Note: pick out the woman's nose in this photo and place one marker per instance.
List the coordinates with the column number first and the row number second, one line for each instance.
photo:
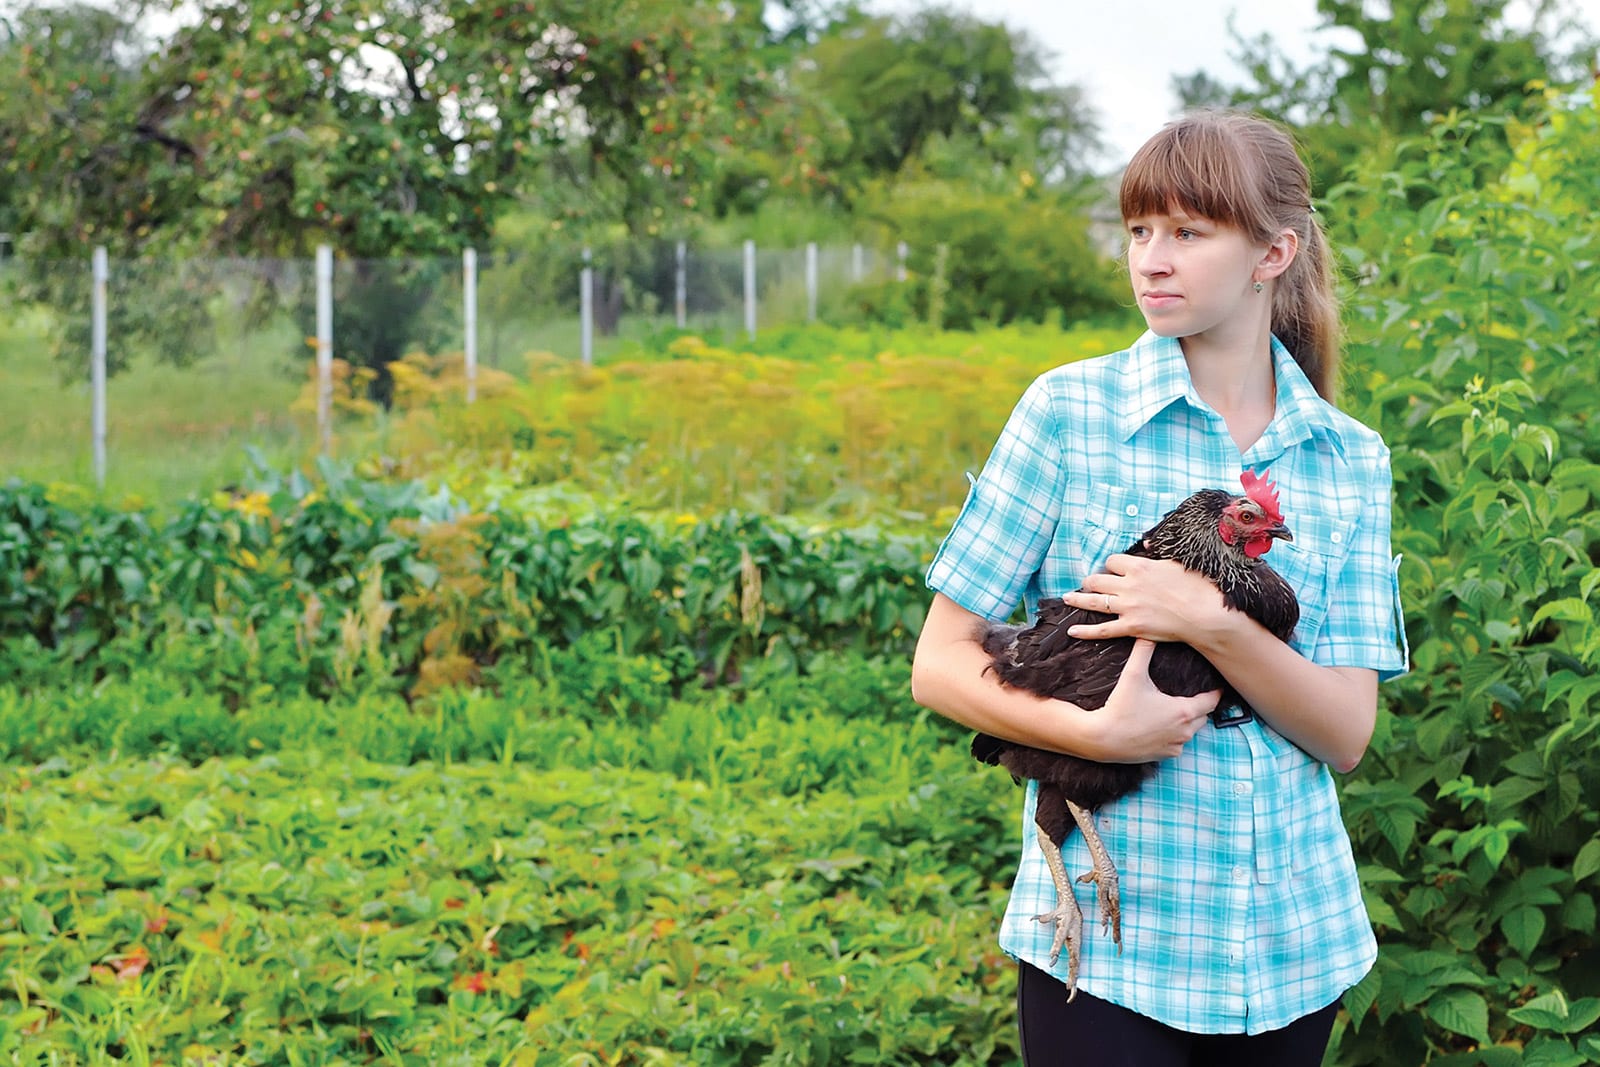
column 1153, row 259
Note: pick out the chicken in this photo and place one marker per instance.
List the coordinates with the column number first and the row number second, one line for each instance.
column 1217, row 533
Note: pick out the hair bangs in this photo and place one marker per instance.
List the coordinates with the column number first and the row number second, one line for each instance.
column 1200, row 167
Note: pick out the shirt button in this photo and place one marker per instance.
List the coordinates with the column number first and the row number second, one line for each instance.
column 1240, row 875
column 1133, row 509
column 1337, row 537
column 1241, row 788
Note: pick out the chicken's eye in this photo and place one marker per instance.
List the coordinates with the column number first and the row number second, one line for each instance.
column 1247, row 517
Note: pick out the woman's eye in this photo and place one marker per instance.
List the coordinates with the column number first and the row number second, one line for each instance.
column 1187, row 234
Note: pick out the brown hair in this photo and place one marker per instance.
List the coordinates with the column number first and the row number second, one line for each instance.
column 1242, row 170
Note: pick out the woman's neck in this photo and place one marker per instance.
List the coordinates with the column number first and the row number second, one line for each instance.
column 1236, row 377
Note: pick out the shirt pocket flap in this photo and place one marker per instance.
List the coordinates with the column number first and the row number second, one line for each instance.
column 1117, row 516
column 1311, row 564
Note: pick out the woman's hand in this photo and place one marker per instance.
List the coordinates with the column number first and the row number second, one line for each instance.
column 1139, row 723
column 1158, row 599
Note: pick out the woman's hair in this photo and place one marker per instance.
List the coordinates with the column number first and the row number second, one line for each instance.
column 1241, row 170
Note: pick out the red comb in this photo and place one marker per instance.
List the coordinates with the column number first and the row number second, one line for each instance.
column 1262, row 492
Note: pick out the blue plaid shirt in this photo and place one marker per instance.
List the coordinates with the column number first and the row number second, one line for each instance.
column 1241, row 907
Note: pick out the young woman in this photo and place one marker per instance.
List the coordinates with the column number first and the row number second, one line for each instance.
column 1242, row 917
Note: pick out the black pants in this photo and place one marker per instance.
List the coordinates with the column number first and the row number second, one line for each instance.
column 1096, row 1033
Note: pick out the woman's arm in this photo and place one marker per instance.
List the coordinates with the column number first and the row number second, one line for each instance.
column 1138, row 723
column 1328, row 711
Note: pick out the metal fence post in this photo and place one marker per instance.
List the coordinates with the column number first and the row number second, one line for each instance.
column 97, row 365
column 811, row 281
column 325, row 347
column 750, row 288
column 586, row 303
column 857, row 263
column 681, row 285
column 469, row 300
column 900, row 270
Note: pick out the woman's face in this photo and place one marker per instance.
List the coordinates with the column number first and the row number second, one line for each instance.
column 1191, row 275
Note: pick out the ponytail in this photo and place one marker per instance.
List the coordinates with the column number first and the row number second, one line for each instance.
column 1305, row 310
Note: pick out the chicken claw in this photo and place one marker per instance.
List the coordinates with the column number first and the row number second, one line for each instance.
column 1066, row 915
column 1108, row 887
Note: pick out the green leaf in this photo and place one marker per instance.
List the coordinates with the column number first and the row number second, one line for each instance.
column 1460, row 1011
column 1523, row 928
column 1497, row 843
column 1552, row 1052
column 1567, row 609
column 1546, row 1012
column 1587, row 861
column 1358, row 998
column 1578, row 914
column 36, row 920
column 1583, row 1014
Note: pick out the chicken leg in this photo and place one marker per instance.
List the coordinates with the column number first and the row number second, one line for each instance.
column 1108, row 887
column 1066, row 915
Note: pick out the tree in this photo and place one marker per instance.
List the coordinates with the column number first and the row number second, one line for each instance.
column 894, row 91
column 1408, row 63
column 266, row 127
column 80, row 163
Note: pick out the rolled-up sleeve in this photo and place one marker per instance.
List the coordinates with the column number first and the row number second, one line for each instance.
column 1006, row 525
column 1365, row 622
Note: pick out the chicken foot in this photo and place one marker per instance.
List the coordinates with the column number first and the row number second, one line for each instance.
column 1066, row 915
column 1108, row 887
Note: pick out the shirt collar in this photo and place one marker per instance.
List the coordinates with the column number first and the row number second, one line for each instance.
column 1157, row 375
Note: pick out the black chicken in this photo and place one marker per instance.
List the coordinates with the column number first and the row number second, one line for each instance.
column 1217, row 533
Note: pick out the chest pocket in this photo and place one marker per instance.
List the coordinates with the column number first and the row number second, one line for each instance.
column 1116, row 517
column 1311, row 564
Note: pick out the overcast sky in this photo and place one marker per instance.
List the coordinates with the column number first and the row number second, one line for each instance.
column 1124, row 52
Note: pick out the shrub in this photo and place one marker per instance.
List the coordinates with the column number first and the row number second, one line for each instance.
column 1474, row 815
column 1013, row 256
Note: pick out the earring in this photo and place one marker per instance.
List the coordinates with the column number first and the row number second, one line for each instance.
column 1260, row 286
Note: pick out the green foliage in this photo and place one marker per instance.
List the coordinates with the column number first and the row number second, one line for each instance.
column 760, row 898
column 264, row 128
column 851, row 423
column 1017, row 254
column 892, row 91
column 1474, row 816
column 1390, row 70
column 385, row 586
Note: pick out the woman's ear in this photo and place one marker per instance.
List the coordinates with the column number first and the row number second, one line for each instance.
column 1280, row 253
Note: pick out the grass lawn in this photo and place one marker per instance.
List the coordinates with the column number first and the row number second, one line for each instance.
column 170, row 430
column 174, row 431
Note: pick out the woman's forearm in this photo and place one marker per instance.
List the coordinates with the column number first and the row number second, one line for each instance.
column 949, row 676
column 1328, row 711
column 1137, row 724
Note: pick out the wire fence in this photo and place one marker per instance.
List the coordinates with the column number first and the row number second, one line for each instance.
column 104, row 361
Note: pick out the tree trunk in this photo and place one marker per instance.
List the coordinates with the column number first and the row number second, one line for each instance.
column 608, row 306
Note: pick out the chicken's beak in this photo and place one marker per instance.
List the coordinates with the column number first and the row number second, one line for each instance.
column 1280, row 531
